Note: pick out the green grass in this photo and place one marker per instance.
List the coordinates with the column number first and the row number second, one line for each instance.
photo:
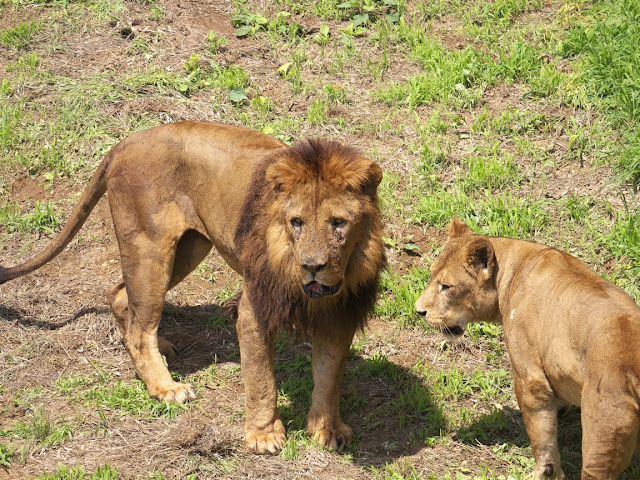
column 105, row 472
column 132, row 398
column 129, row 397
column 400, row 295
column 6, row 454
column 43, row 218
column 40, row 430
column 605, row 44
column 20, row 36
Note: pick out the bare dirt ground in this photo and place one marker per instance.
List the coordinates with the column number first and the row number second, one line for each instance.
column 56, row 323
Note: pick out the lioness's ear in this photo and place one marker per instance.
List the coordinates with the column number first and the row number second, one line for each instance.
column 458, row 228
column 481, row 258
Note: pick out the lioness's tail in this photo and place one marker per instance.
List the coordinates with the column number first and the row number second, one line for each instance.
column 92, row 193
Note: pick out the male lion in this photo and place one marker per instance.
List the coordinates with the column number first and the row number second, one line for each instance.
column 572, row 337
column 301, row 224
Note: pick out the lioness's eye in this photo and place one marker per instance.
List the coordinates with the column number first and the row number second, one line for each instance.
column 296, row 222
column 338, row 222
column 444, row 286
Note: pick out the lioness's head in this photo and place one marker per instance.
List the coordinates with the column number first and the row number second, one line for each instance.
column 462, row 287
column 325, row 232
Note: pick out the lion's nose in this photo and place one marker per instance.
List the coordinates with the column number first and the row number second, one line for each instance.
column 312, row 266
column 421, row 311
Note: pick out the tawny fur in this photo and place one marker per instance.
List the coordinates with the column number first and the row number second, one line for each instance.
column 301, row 224
column 572, row 338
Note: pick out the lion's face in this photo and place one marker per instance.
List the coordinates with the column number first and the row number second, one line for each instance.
column 462, row 287
column 324, row 224
column 322, row 238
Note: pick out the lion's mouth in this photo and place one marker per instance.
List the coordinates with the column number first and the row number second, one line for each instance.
column 318, row 290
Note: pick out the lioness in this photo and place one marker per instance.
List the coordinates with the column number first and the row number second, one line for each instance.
column 572, row 337
column 301, row 224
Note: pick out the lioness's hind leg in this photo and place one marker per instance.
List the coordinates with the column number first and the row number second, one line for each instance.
column 610, row 429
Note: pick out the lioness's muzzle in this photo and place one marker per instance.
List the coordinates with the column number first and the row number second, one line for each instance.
column 456, row 331
column 318, row 290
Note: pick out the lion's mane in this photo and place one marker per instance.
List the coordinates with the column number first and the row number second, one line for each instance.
column 277, row 299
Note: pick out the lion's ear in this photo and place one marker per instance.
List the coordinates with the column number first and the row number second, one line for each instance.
column 356, row 174
column 281, row 173
column 458, row 228
column 373, row 179
column 481, row 258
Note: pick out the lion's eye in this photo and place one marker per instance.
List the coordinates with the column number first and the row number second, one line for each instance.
column 296, row 222
column 444, row 286
column 338, row 222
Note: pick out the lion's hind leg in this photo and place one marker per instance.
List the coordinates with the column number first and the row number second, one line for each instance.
column 190, row 251
column 119, row 302
column 137, row 307
column 147, row 266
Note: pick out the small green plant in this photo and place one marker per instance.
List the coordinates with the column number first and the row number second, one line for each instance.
column 43, row 219
column 399, row 296
column 20, row 36
column 546, row 82
column 292, row 71
column 41, row 430
column 318, row 112
column 519, row 61
column 157, row 12
column 6, row 454
column 215, row 43
column 508, row 216
column 494, row 173
column 248, row 24
column 323, row 36
column 25, row 64
column 63, row 472
column 363, row 13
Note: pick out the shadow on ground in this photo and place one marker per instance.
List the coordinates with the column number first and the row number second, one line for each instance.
column 389, row 409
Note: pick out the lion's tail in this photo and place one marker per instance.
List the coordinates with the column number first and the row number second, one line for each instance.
column 92, row 193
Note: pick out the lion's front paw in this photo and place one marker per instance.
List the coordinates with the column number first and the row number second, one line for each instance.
column 176, row 392
column 334, row 438
column 266, row 442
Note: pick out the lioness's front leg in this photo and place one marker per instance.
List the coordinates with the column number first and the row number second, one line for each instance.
column 539, row 408
column 329, row 358
column 264, row 431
